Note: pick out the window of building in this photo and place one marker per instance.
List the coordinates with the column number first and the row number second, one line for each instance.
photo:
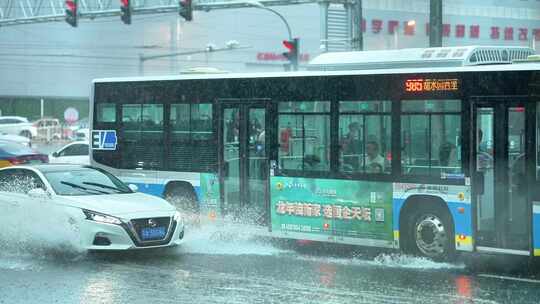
column 106, row 112
column 365, row 136
column 431, row 137
column 304, row 135
column 192, row 138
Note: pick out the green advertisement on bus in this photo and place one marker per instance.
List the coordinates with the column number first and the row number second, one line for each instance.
column 209, row 195
column 335, row 208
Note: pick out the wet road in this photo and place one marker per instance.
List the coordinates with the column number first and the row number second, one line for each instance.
column 232, row 267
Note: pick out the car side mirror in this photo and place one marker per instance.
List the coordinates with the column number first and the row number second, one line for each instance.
column 55, row 154
column 133, row 187
column 38, row 193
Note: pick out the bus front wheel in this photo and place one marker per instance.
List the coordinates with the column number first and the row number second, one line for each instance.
column 429, row 234
column 182, row 197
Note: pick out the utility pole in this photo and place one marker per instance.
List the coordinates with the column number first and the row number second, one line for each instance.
column 435, row 23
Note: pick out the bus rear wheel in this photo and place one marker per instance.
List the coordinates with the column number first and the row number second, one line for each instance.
column 429, row 234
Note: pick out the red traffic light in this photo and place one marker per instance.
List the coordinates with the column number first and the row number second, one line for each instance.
column 71, row 5
column 124, row 3
column 290, row 45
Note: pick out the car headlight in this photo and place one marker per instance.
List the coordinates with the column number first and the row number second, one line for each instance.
column 101, row 218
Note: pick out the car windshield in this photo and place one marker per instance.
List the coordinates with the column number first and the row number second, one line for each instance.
column 14, row 148
column 85, row 181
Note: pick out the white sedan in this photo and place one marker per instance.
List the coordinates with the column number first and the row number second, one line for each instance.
column 73, row 153
column 107, row 214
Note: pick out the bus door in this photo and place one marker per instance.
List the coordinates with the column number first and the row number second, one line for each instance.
column 500, row 176
column 244, row 160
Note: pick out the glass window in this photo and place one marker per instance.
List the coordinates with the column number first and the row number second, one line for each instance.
column 192, row 138
column 538, row 140
column 365, row 106
column 20, row 181
column 431, row 106
column 431, row 142
column 304, row 139
column 305, row 106
column 106, row 112
column 85, row 181
column 191, row 121
column 75, row 150
column 142, row 140
column 365, row 138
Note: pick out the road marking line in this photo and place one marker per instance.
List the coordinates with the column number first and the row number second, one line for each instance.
column 509, row 278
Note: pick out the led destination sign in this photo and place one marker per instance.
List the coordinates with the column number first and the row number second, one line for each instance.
column 431, row 85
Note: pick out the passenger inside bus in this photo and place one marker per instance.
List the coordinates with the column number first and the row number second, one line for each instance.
column 351, row 146
column 373, row 158
column 447, row 158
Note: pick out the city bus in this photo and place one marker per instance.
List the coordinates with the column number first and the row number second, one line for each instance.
column 435, row 153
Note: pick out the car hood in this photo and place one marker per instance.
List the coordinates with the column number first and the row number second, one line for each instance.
column 120, row 204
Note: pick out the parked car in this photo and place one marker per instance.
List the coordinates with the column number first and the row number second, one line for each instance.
column 13, row 153
column 73, row 153
column 82, row 134
column 48, row 128
column 105, row 213
column 17, row 125
column 23, row 140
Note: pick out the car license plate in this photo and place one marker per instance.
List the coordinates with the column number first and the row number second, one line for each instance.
column 152, row 233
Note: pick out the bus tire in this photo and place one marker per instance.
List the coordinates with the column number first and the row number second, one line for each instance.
column 429, row 233
column 182, row 196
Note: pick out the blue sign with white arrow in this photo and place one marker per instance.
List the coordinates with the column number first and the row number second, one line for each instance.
column 104, row 140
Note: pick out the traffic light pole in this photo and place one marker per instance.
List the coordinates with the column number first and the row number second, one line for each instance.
column 435, row 23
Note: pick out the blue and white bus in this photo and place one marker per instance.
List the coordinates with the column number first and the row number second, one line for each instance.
column 431, row 151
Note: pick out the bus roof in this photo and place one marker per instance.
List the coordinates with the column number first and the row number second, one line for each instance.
column 420, row 58
column 532, row 66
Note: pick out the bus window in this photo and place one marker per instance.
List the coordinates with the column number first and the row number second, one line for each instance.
column 364, row 132
column 142, row 136
column 304, row 135
column 106, row 112
column 538, row 141
column 431, row 137
column 191, row 135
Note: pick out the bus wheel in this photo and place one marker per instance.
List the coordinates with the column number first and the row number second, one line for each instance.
column 430, row 234
column 182, row 197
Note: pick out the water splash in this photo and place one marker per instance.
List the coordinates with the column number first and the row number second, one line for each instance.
column 35, row 230
column 228, row 239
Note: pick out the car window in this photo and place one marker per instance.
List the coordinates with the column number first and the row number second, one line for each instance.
column 20, row 181
column 75, row 150
column 85, row 181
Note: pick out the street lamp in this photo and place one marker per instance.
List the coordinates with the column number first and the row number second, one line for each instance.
column 257, row 4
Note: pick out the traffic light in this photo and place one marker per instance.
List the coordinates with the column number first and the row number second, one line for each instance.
column 186, row 10
column 292, row 54
column 125, row 11
column 71, row 12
